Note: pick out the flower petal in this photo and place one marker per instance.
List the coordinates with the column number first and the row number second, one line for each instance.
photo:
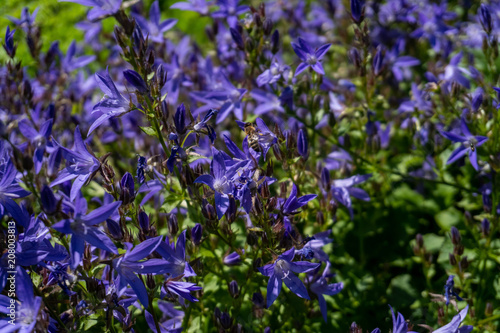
column 273, row 289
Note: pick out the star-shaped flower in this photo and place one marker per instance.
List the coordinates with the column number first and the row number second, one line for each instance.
column 281, row 271
column 309, row 57
column 469, row 143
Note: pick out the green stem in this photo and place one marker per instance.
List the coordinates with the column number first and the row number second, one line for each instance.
column 184, row 141
column 153, row 312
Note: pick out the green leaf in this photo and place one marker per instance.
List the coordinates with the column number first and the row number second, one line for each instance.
column 194, row 157
column 171, row 202
column 433, row 243
column 448, row 218
column 149, row 131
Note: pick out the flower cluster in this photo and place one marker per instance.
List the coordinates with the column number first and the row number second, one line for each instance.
column 177, row 167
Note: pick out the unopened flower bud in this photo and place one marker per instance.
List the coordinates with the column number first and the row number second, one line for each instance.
column 378, row 61
column 234, row 289
column 217, row 312
column 114, row 229
column 127, row 193
column 488, row 311
column 459, row 249
column 268, row 26
column 225, row 320
column 136, row 80
column 249, row 44
column 143, row 221
column 257, row 19
column 420, row 240
column 464, row 263
column 455, row 236
column 325, row 179
column 320, row 217
column 275, row 42
column 208, row 211
column 258, row 300
column 277, row 153
column 237, row 38
column 302, row 144
column 453, row 260
column 232, row 210
column 173, row 224
column 485, row 18
column 357, row 11
column 252, row 238
column 49, row 201
column 196, row 234
column 150, row 281
column 161, row 76
column 485, row 227
column 355, row 57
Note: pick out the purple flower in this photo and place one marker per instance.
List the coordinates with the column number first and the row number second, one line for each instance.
column 171, row 319
column 321, row 287
column 27, row 20
column 26, row 307
column 342, row 190
column 81, row 166
column 313, row 247
column 420, row 101
column 273, row 74
column 101, row 8
column 112, row 105
column 82, row 228
column 37, row 138
column 232, row 259
column 309, row 57
column 200, row 6
column 127, row 265
column 203, row 124
column 181, row 289
column 399, row 325
column 220, row 180
column 230, row 9
column 10, row 190
column 281, row 271
column 453, row 325
column 266, row 137
column 70, row 63
column 227, row 99
column 477, row 99
column 266, row 102
column 469, row 144
column 455, row 73
column 292, row 203
column 9, row 42
column 176, row 257
column 154, row 29
column 449, row 289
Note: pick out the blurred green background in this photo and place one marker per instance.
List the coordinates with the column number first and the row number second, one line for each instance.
column 58, row 19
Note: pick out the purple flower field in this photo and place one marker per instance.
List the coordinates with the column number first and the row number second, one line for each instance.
column 245, row 166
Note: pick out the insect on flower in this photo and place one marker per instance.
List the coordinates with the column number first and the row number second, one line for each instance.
column 253, row 136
